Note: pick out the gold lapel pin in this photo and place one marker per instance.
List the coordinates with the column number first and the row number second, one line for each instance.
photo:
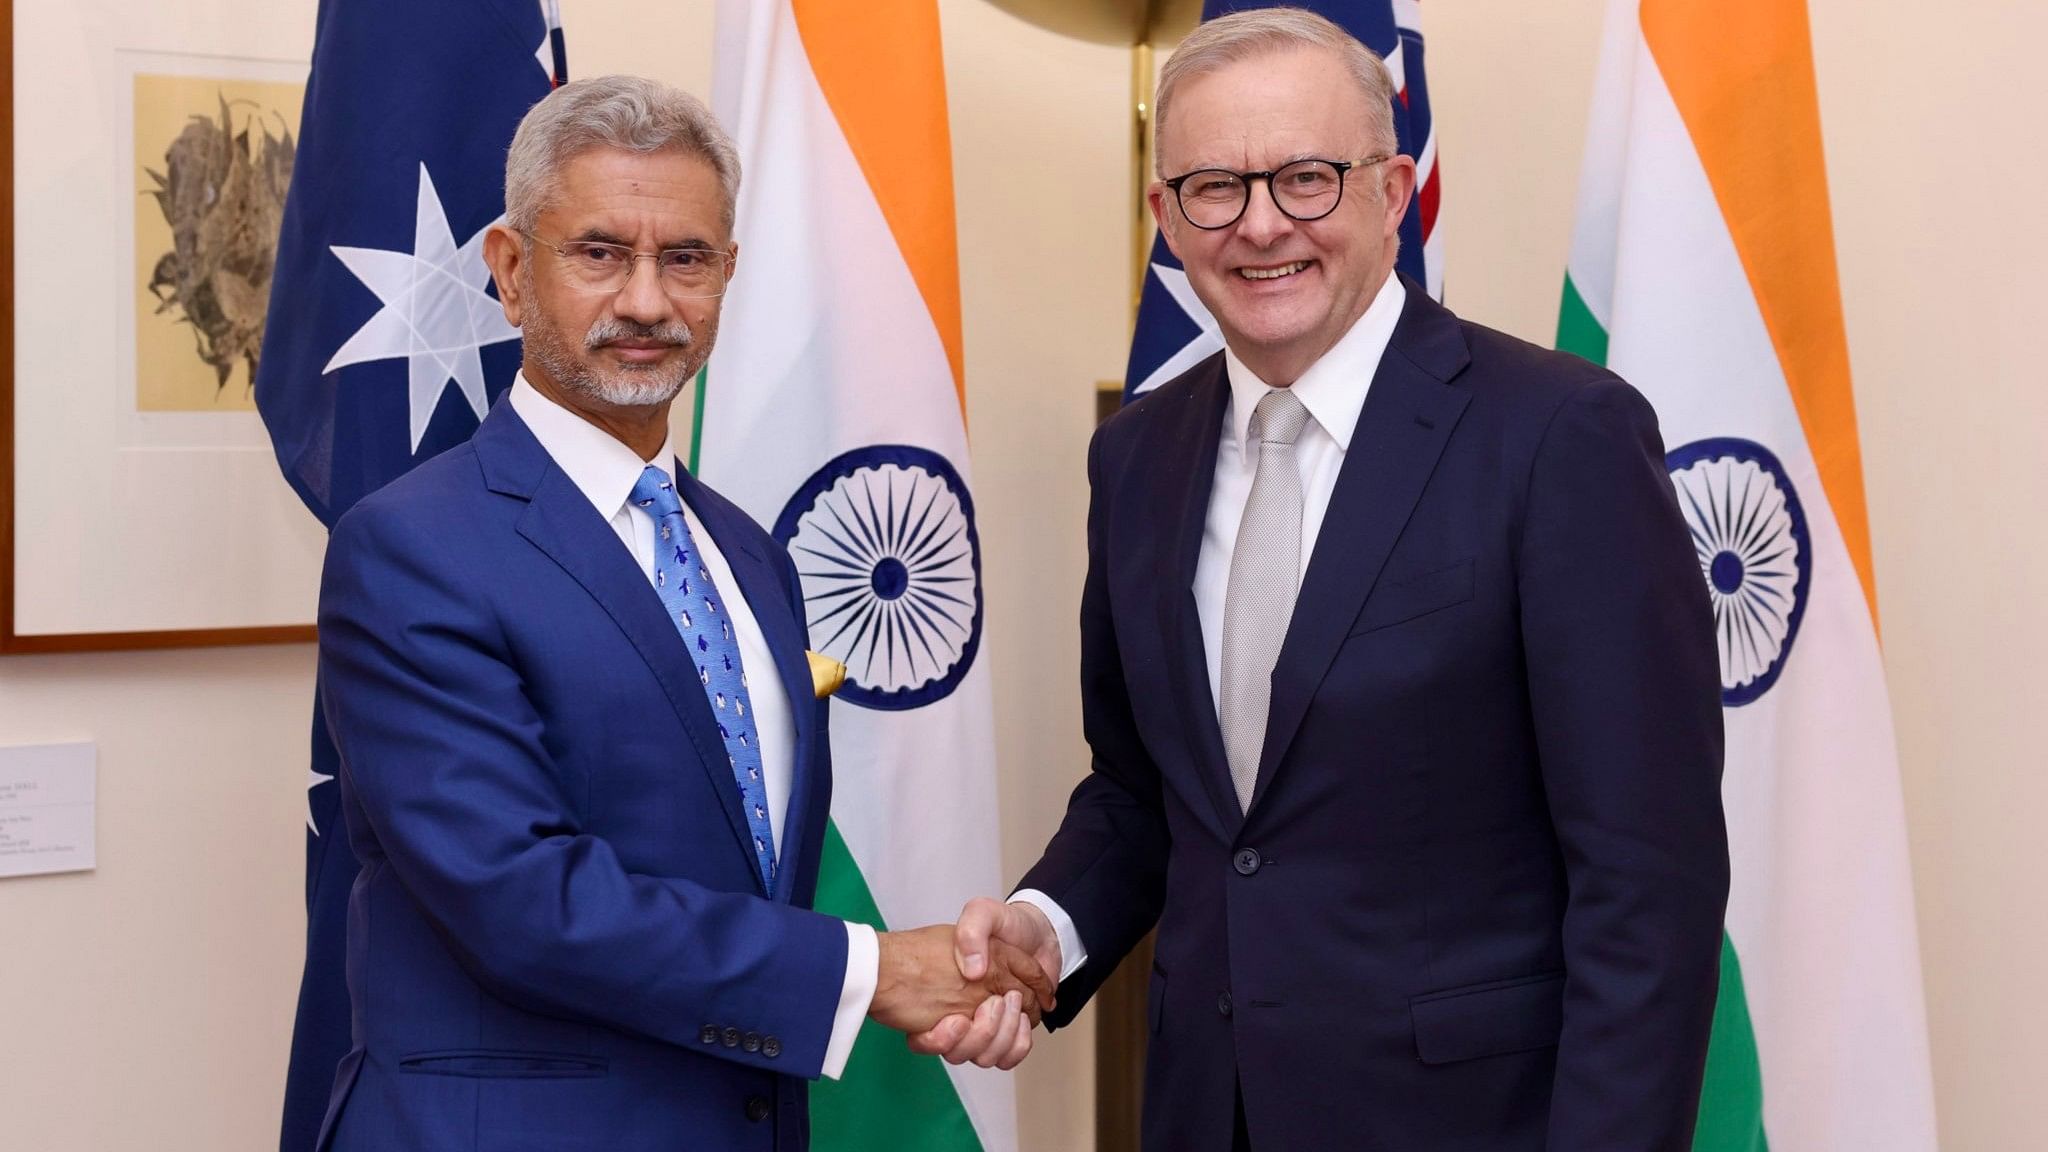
column 827, row 674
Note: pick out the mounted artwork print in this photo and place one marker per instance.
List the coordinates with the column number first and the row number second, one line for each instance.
column 152, row 144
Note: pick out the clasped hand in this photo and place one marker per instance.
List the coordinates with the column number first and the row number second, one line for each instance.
column 972, row 991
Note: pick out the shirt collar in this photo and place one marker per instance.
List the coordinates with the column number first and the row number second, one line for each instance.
column 602, row 467
column 1334, row 387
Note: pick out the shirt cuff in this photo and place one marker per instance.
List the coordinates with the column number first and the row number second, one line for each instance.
column 1072, row 953
column 863, row 968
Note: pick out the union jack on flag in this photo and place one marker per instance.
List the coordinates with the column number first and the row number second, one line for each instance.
column 1175, row 332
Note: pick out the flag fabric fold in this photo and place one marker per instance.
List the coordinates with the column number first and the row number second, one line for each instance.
column 833, row 412
column 1702, row 270
column 384, row 344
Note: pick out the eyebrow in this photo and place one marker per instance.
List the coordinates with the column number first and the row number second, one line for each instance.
column 1295, row 158
column 600, row 236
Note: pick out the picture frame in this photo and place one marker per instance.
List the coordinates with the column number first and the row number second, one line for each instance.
column 132, row 518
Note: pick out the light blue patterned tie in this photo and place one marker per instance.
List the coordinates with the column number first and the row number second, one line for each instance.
column 684, row 583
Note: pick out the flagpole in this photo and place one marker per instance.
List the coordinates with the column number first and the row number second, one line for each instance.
column 1141, row 162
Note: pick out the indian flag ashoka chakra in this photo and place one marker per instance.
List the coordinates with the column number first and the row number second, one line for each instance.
column 885, row 545
column 1749, row 533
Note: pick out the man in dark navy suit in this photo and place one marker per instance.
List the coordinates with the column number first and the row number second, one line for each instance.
column 583, row 764
column 1400, row 679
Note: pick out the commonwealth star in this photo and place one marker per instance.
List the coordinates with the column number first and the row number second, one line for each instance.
column 436, row 314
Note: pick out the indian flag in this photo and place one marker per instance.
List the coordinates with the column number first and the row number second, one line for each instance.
column 1703, row 271
column 833, row 412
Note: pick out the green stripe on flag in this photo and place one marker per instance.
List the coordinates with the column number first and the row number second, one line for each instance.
column 697, row 418
column 1732, row 1097
column 890, row 1099
column 1577, row 331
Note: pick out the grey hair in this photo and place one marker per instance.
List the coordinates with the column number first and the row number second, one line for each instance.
column 624, row 112
column 1240, row 36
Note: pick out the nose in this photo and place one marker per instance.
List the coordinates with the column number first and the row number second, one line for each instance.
column 641, row 298
column 1263, row 222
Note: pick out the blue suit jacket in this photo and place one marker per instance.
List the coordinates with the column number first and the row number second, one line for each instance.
column 1476, row 901
column 559, row 937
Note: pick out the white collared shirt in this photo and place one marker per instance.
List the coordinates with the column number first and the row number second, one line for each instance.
column 605, row 471
column 1333, row 390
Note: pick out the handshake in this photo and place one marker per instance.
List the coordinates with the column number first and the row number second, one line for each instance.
column 971, row 991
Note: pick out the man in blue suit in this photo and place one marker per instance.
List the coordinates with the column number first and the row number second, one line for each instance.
column 583, row 764
column 1400, row 678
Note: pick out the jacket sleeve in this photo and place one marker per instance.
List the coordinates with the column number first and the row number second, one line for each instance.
column 1106, row 866
column 1624, row 686
column 443, row 762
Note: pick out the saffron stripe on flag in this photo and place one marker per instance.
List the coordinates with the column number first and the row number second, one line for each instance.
column 1715, row 58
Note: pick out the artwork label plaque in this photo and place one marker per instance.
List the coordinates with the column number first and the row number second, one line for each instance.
column 46, row 809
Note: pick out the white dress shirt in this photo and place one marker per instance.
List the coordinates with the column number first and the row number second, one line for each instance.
column 1333, row 390
column 605, row 470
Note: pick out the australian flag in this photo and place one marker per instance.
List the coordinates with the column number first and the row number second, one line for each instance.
column 1175, row 332
column 384, row 344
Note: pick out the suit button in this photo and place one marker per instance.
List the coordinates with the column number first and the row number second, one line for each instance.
column 1246, row 861
column 730, row 1037
column 771, row 1047
column 708, row 1034
column 751, row 1042
column 1223, row 1003
column 757, row 1108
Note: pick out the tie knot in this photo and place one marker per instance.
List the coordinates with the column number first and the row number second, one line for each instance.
column 1279, row 418
column 656, row 493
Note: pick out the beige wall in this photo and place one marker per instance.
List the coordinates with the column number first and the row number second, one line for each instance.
column 147, row 1004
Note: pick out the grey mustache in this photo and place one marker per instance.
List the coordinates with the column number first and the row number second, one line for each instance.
column 605, row 331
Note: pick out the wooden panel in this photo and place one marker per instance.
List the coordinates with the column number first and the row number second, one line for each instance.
column 1120, row 1028
column 1120, row 1036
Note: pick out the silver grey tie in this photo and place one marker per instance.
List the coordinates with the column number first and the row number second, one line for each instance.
column 1265, row 573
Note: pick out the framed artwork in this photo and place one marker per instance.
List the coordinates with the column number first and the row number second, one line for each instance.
column 149, row 145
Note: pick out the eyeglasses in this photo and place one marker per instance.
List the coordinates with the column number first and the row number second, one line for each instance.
column 684, row 273
column 1213, row 198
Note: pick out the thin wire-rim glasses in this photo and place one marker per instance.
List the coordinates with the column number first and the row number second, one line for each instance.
column 600, row 266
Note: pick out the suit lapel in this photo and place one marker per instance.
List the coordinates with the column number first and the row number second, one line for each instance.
column 561, row 523
column 761, row 587
column 1184, row 497
column 1409, row 414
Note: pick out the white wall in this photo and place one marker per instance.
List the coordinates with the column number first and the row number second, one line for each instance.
column 148, row 1004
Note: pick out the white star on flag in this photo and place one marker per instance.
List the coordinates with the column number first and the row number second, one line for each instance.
column 436, row 314
column 1205, row 344
column 313, row 780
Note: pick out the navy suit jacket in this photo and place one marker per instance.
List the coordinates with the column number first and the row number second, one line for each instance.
column 1476, row 901
column 559, row 937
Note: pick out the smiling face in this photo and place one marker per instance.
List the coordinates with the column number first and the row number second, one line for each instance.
column 630, row 349
column 1282, row 290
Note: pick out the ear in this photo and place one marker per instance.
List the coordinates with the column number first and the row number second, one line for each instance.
column 1397, row 187
column 505, row 254
column 1164, row 215
column 732, row 250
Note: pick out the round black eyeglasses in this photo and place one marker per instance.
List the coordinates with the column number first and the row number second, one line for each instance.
column 1212, row 198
